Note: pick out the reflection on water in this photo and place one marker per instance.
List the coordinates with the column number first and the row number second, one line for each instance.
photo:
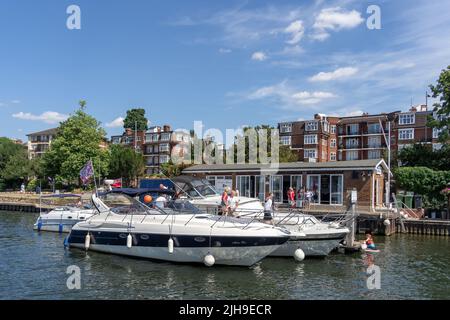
column 34, row 266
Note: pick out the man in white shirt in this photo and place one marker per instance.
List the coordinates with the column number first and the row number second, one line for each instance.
column 233, row 202
column 268, row 208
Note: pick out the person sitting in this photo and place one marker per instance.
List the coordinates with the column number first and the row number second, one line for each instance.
column 369, row 240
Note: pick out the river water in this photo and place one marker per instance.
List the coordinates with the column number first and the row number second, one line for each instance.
column 33, row 266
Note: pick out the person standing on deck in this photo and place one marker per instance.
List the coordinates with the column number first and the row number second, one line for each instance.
column 268, row 209
column 224, row 201
column 233, row 203
column 291, row 197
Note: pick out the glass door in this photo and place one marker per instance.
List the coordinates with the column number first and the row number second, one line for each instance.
column 243, row 186
column 276, row 185
column 313, row 186
column 260, row 187
column 337, row 189
column 297, row 184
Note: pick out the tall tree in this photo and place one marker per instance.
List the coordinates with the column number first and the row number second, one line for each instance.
column 78, row 140
column 126, row 163
column 441, row 91
column 136, row 118
column 15, row 167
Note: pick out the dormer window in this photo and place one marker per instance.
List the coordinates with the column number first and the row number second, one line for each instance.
column 407, row 118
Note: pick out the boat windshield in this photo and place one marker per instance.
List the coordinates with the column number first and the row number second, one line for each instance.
column 123, row 204
column 198, row 188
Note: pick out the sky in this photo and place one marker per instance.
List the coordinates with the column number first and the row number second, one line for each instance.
column 225, row 63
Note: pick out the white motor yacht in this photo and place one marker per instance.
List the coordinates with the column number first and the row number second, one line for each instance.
column 62, row 218
column 314, row 237
column 177, row 233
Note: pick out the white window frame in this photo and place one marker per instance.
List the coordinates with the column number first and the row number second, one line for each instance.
column 285, row 127
column 312, row 126
column 406, row 134
column 286, row 140
column 333, row 143
column 353, row 152
column 333, row 128
column 310, row 139
column 307, row 153
column 332, row 156
column 406, row 118
column 164, row 147
column 378, row 152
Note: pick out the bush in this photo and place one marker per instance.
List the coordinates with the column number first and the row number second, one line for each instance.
column 426, row 182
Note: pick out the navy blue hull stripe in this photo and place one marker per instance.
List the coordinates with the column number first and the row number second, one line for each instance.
column 160, row 240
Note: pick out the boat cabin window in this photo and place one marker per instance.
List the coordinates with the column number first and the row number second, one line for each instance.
column 197, row 188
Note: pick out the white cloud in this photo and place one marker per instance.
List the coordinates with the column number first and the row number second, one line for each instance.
column 116, row 123
column 296, row 30
column 334, row 19
column 2, row 104
column 259, row 56
column 224, row 50
column 334, row 75
column 289, row 96
column 15, row 101
column 47, row 117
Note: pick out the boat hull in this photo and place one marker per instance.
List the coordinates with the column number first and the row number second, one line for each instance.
column 233, row 251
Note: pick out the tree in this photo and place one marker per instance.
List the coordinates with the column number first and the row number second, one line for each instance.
column 136, row 117
column 424, row 181
column 126, row 163
column 78, row 140
column 422, row 155
column 14, row 164
column 285, row 153
column 442, row 108
column 170, row 169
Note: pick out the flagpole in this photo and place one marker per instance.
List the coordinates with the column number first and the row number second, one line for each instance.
column 93, row 173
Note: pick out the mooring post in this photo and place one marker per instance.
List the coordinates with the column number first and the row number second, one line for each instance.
column 350, row 240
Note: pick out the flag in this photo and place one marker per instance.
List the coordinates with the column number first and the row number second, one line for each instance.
column 87, row 172
column 117, row 183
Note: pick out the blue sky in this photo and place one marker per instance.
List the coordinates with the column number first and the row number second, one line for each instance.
column 226, row 63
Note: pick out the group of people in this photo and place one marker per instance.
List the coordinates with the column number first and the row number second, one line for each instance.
column 229, row 201
column 305, row 196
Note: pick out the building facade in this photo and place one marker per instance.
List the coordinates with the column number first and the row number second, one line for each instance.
column 314, row 140
column 39, row 142
column 157, row 145
column 357, row 137
column 330, row 182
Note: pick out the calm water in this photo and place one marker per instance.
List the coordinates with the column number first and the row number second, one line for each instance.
column 33, row 266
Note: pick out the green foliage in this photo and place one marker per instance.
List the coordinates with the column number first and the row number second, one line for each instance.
column 285, row 153
column 425, row 181
column 170, row 169
column 422, row 155
column 125, row 163
column 442, row 108
column 78, row 140
column 136, row 117
column 15, row 167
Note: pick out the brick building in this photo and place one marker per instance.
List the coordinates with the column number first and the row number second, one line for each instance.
column 357, row 137
column 314, row 140
column 156, row 144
